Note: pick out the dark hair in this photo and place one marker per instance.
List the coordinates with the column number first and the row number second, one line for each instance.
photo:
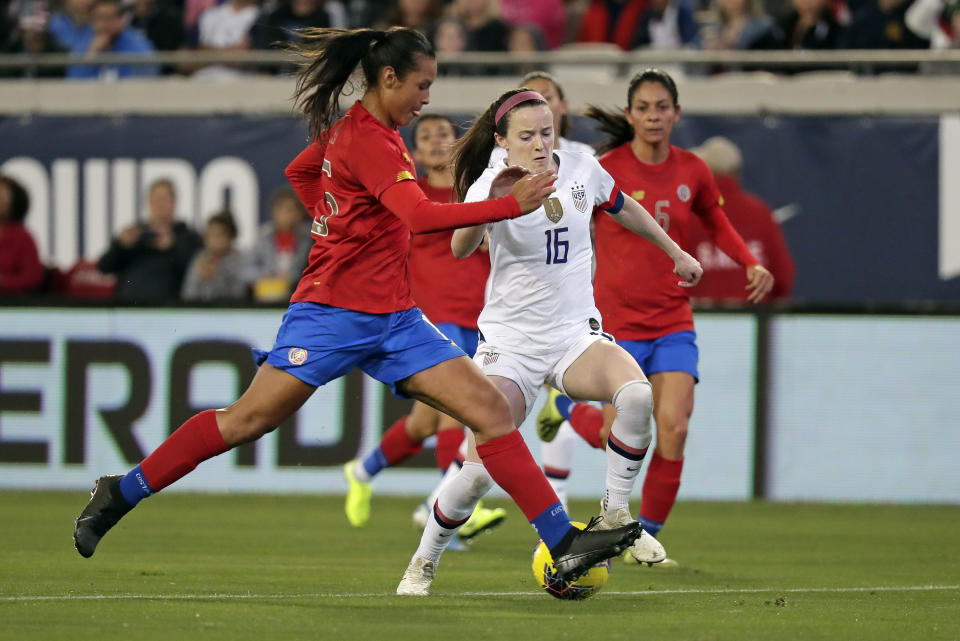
column 332, row 55
column 224, row 217
column 552, row 79
column 162, row 182
column 19, row 199
column 472, row 152
column 427, row 117
column 614, row 123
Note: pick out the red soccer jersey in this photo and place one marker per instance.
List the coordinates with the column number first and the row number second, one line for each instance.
column 447, row 289
column 723, row 279
column 359, row 257
column 635, row 287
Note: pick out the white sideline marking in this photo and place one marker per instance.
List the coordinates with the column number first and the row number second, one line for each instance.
column 325, row 595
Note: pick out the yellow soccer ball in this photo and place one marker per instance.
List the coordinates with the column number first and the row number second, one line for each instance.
column 583, row 588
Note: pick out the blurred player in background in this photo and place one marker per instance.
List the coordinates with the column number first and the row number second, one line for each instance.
column 751, row 217
column 21, row 271
column 353, row 306
column 651, row 317
column 450, row 293
column 539, row 323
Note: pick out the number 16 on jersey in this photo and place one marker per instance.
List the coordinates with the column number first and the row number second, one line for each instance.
column 557, row 247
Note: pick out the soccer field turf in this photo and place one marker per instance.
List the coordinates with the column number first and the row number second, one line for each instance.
column 265, row 567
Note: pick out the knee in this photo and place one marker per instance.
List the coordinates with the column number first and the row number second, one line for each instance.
column 497, row 416
column 634, row 404
column 672, row 430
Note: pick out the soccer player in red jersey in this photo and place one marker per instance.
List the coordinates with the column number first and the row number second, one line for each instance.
column 651, row 317
column 450, row 292
column 352, row 307
column 753, row 220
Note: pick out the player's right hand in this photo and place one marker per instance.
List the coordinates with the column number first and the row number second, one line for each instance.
column 688, row 268
column 530, row 191
column 504, row 181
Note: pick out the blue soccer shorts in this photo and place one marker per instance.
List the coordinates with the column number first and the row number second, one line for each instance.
column 319, row 343
column 466, row 339
column 676, row 352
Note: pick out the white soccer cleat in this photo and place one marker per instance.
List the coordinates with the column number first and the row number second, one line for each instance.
column 646, row 549
column 417, row 578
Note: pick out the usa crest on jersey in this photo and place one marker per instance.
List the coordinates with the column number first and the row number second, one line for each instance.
column 579, row 197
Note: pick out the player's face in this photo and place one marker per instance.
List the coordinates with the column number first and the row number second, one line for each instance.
column 434, row 143
column 405, row 98
column 529, row 140
column 652, row 113
column 549, row 92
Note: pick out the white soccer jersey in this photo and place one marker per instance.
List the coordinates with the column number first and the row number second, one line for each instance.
column 499, row 154
column 540, row 294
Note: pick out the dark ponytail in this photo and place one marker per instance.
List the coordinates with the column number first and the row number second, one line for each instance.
column 332, row 55
column 471, row 154
column 614, row 123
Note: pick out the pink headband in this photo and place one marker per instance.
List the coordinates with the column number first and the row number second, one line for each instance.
column 513, row 101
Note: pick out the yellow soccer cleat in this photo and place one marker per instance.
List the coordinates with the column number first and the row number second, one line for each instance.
column 482, row 520
column 549, row 418
column 357, row 505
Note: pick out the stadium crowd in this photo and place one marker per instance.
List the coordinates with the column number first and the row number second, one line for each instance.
column 84, row 28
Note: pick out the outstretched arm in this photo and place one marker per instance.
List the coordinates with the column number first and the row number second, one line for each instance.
column 637, row 219
column 724, row 236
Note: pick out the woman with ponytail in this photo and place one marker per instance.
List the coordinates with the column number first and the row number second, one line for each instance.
column 352, row 307
column 651, row 317
column 539, row 324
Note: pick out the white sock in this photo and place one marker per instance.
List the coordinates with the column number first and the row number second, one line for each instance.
column 630, row 436
column 448, row 476
column 455, row 504
column 557, row 459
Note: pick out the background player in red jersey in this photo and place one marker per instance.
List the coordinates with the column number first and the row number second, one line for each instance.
column 650, row 316
column 352, row 307
column 753, row 220
column 450, row 292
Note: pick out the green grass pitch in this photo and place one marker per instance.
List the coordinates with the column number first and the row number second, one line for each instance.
column 264, row 567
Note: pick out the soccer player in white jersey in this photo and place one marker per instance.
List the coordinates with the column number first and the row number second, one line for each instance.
column 540, row 324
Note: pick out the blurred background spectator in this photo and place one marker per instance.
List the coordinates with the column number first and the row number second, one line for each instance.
column 218, row 272
column 421, row 15
column 526, row 38
column 937, row 21
column 110, row 34
column 486, row 30
column 450, row 37
column 614, row 21
column 667, row 24
column 150, row 258
column 277, row 29
column 72, row 24
column 550, row 16
column 737, row 24
column 160, row 20
column 25, row 30
column 225, row 27
column 21, row 271
column 723, row 279
column 807, row 24
column 282, row 248
column 880, row 24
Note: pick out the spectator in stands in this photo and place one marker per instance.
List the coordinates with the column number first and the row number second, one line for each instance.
column 150, row 258
column 21, row 271
column 73, row 24
column 218, row 272
column 485, row 29
column 614, row 21
column 808, row 24
column 282, row 248
column 549, row 16
column 421, row 15
column 740, row 23
column 937, row 21
column 723, row 279
column 30, row 35
column 667, row 24
column 111, row 35
column 225, row 27
column 279, row 28
column 880, row 24
column 160, row 20
column 450, row 37
column 526, row 38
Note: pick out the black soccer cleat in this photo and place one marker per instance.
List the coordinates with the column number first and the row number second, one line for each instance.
column 105, row 508
column 579, row 550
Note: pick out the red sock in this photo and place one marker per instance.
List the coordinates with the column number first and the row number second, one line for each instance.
column 194, row 442
column 660, row 488
column 396, row 444
column 509, row 462
column 448, row 444
column 587, row 421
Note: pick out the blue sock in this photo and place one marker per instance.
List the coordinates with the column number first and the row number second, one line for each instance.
column 134, row 486
column 375, row 462
column 650, row 527
column 563, row 405
column 552, row 524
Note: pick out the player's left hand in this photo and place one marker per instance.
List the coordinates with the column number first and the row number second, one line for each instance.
column 688, row 268
column 759, row 283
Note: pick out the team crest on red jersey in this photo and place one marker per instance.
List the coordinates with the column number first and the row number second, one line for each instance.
column 683, row 193
column 579, row 197
column 297, row 356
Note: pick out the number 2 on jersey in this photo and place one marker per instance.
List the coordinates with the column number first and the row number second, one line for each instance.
column 319, row 227
column 560, row 247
